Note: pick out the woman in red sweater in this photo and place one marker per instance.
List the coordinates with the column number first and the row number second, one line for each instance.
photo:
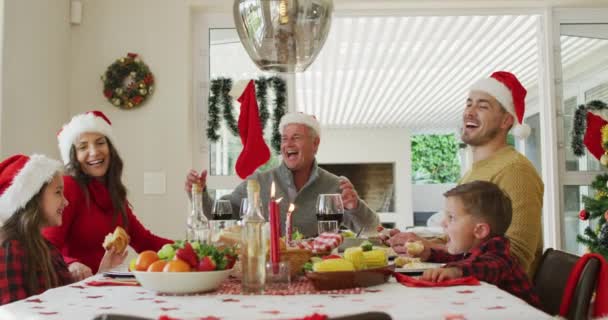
column 97, row 196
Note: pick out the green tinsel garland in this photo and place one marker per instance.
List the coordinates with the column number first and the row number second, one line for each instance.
column 261, row 86
column 219, row 90
column 579, row 125
column 280, row 102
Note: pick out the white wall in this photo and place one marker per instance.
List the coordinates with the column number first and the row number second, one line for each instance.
column 374, row 145
column 429, row 197
column 35, row 81
column 157, row 136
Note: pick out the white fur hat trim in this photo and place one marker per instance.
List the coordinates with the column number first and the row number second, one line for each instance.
column 86, row 122
column 27, row 182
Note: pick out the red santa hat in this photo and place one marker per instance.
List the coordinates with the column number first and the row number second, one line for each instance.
column 300, row 118
column 21, row 177
column 91, row 121
column 511, row 94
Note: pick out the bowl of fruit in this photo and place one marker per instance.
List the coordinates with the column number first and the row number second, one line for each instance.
column 183, row 267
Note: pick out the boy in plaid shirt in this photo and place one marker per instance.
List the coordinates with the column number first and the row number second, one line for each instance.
column 476, row 218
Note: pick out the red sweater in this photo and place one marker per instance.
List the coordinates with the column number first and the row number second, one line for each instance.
column 84, row 227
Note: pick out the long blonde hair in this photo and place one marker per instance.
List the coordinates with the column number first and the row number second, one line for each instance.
column 24, row 226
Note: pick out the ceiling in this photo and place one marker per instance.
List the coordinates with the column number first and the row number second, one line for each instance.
column 409, row 72
column 412, row 71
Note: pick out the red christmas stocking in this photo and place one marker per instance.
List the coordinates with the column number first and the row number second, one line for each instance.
column 593, row 134
column 255, row 151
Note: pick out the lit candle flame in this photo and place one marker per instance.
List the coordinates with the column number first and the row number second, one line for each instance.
column 279, row 200
column 291, row 208
column 272, row 190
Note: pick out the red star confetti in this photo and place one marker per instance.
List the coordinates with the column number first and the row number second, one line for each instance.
column 34, row 300
column 495, row 308
column 230, row 300
column 465, row 291
column 454, row 317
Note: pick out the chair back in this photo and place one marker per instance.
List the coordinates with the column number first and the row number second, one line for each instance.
column 551, row 278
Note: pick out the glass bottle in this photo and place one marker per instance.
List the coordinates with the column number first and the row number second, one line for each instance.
column 253, row 242
column 197, row 223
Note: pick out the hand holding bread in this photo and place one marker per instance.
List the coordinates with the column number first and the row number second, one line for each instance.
column 118, row 240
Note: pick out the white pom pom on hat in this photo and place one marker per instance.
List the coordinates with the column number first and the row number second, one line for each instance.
column 506, row 88
column 300, row 118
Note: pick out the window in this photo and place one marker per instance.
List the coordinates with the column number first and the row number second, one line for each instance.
column 435, row 159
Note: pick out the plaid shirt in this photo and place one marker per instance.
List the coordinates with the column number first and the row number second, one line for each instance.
column 492, row 262
column 12, row 271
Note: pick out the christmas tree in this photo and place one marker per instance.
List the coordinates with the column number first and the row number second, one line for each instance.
column 590, row 119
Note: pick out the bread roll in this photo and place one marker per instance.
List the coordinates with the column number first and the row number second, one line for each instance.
column 414, row 248
column 119, row 240
column 230, row 236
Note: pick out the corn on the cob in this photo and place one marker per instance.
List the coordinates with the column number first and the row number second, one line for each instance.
column 355, row 255
column 333, row 265
column 375, row 258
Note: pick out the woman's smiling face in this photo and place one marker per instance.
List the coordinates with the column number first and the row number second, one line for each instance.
column 93, row 154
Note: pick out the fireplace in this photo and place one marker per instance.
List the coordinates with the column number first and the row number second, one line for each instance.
column 374, row 182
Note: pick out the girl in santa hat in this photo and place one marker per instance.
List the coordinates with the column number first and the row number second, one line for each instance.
column 31, row 197
column 97, row 195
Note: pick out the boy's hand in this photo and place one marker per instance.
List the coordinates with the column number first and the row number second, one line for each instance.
column 441, row 274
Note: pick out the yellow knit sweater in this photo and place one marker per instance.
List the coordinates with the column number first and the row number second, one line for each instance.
column 516, row 176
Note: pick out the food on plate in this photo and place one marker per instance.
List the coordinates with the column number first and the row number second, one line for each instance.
column 333, row 265
column 119, row 240
column 348, row 234
column 375, row 258
column 408, row 262
column 231, row 235
column 355, row 255
column 414, row 248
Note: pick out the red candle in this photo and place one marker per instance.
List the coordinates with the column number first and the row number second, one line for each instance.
column 275, row 234
column 289, row 225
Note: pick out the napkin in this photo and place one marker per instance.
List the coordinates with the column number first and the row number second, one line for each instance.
column 325, row 242
column 112, row 282
column 314, row 316
column 413, row 282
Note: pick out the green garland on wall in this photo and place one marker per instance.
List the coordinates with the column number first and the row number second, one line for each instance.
column 219, row 90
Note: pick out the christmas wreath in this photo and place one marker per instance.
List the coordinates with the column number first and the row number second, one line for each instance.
column 219, row 94
column 128, row 82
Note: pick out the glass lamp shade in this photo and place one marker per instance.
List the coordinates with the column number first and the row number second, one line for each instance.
column 283, row 35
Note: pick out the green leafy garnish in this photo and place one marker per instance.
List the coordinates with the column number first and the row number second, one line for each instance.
column 367, row 246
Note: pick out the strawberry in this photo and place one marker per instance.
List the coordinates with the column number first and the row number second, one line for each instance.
column 231, row 261
column 331, row 256
column 206, row 264
column 187, row 254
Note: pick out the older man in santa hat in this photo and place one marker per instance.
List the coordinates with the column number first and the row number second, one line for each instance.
column 298, row 179
column 494, row 107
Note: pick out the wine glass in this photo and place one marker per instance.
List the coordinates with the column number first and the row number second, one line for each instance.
column 222, row 210
column 330, row 211
column 243, row 209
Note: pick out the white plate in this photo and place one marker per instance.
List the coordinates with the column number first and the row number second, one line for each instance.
column 181, row 282
column 119, row 274
column 419, row 267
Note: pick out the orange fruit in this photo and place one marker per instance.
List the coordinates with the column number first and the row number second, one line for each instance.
column 177, row 266
column 157, row 266
column 145, row 259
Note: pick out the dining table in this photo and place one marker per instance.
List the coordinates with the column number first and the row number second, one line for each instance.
column 97, row 295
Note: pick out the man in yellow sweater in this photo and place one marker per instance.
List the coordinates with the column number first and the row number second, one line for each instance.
column 494, row 106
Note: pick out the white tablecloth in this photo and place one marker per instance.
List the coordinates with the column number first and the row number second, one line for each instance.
column 80, row 302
